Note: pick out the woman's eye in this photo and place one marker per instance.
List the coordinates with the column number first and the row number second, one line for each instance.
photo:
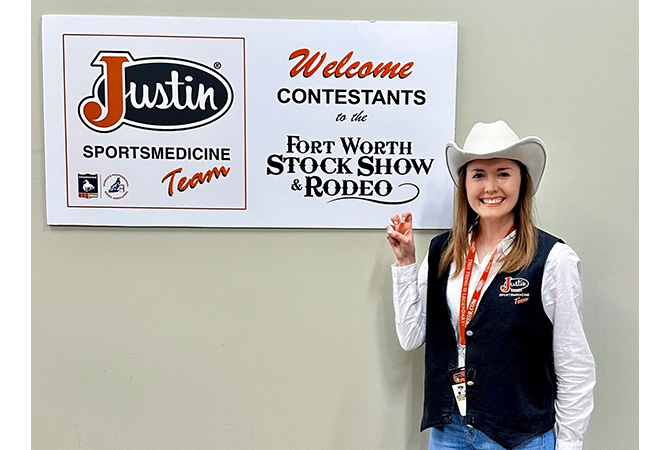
column 504, row 174
column 477, row 175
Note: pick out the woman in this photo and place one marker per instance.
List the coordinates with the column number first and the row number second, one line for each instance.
column 498, row 304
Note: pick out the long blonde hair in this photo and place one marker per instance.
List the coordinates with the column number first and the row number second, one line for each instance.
column 465, row 219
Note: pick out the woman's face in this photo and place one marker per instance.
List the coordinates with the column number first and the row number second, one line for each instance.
column 492, row 187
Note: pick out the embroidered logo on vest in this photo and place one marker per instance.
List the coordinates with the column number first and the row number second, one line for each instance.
column 514, row 285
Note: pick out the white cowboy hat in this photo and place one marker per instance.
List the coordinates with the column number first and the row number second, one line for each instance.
column 497, row 140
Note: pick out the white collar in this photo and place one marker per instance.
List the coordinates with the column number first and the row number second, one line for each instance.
column 503, row 246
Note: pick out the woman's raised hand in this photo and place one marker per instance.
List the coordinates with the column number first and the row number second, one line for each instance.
column 401, row 237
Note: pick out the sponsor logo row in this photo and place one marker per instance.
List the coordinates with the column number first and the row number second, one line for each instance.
column 92, row 185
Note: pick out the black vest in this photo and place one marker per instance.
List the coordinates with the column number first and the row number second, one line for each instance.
column 511, row 383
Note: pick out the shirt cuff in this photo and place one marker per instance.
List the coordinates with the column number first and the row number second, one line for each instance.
column 404, row 274
column 569, row 445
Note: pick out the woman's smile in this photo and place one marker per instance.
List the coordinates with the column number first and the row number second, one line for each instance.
column 492, row 201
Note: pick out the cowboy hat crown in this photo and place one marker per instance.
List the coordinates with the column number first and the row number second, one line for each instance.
column 498, row 140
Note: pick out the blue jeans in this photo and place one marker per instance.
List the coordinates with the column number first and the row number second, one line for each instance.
column 458, row 436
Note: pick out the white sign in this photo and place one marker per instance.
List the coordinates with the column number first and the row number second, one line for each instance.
column 160, row 121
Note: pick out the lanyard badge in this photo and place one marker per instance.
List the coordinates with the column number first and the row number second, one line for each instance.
column 457, row 379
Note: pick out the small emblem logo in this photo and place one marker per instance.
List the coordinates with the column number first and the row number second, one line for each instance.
column 116, row 186
column 88, row 185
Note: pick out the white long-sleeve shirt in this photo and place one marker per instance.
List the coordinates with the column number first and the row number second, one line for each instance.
column 562, row 301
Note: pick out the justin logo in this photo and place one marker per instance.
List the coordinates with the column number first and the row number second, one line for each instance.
column 514, row 285
column 156, row 93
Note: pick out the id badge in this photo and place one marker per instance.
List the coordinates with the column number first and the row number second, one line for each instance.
column 457, row 379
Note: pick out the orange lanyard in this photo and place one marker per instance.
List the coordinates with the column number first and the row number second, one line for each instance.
column 467, row 311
